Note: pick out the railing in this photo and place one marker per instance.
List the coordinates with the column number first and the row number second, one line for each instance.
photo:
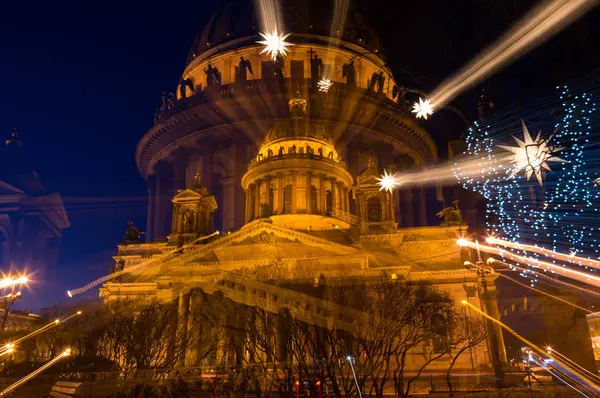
column 260, row 159
column 344, row 216
column 272, row 86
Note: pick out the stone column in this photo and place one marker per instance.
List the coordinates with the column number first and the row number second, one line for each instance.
column 268, row 193
column 422, row 207
column 247, row 212
column 497, row 348
column 280, row 191
column 164, row 194
column 408, row 219
column 151, row 208
column 334, row 194
column 345, row 199
column 228, row 203
column 207, row 169
column 294, row 193
column 257, row 199
column 241, row 166
column 308, row 192
column 180, row 168
column 192, row 327
column 182, row 324
column 322, row 200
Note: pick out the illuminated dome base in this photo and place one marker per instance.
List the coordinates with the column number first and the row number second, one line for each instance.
column 308, row 222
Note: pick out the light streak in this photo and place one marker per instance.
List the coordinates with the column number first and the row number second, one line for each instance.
column 36, row 372
column 552, row 351
column 538, row 25
column 557, row 376
column 540, row 351
column 541, row 292
column 570, row 273
column 349, row 358
column 571, row 258
column 548, row 278
column 85, row 288
column 44, row 328
column 423, row 108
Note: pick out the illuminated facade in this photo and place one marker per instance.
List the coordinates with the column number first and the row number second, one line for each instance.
column 289, row 175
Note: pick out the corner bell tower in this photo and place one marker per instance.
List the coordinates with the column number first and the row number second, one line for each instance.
column 375, row 207
column 193, row 213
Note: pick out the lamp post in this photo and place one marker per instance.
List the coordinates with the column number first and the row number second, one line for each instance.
column 487, row 299
column 10, row 298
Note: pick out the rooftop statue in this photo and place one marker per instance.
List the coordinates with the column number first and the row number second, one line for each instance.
column 132, row 234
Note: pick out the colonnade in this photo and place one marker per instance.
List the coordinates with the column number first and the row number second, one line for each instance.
column 296, row 193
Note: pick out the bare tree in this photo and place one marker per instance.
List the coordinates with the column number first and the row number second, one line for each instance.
column 468, row 333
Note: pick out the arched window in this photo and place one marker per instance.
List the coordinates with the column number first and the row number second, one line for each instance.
column 189, row 221
column 313, row 200
column 287, row 199
column 374, row 209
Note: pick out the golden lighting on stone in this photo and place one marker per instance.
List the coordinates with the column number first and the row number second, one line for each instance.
column 274, row 43
column 387, row 181
column 531, row 156
column 423, row 108
column 324, row 85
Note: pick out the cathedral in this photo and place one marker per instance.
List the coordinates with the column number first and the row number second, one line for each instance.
column 262, row 180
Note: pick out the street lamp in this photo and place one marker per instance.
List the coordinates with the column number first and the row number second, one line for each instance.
column 14, row 284
column 481, row 272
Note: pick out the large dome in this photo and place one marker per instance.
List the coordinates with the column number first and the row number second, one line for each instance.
column 239, row 19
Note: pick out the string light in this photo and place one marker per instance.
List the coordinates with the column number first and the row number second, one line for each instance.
column 561, row 215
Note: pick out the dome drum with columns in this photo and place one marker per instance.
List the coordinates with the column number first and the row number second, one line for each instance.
column 298, row 178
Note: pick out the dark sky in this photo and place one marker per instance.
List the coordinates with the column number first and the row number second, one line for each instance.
column 81, row 79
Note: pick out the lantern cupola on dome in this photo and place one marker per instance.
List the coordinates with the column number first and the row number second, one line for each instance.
column 298, row 179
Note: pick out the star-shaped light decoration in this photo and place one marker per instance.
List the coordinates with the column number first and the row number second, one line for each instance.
column 387, row 181
column 597, row 181
column 531, row 155
column 423, row 108
column 274, row 43
column 324, row 85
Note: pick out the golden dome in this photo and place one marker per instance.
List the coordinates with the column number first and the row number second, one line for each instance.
column 296, row 128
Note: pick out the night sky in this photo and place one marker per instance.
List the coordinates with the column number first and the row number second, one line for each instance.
column 81, row 79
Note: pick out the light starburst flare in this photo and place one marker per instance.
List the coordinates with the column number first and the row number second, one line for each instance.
column 387, row 181
column 532, row 155
column 274, row 43
column 423, row 108
column 324, row 85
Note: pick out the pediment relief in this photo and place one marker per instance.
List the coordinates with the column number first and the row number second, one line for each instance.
column 264, row 238
column 187, row 194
